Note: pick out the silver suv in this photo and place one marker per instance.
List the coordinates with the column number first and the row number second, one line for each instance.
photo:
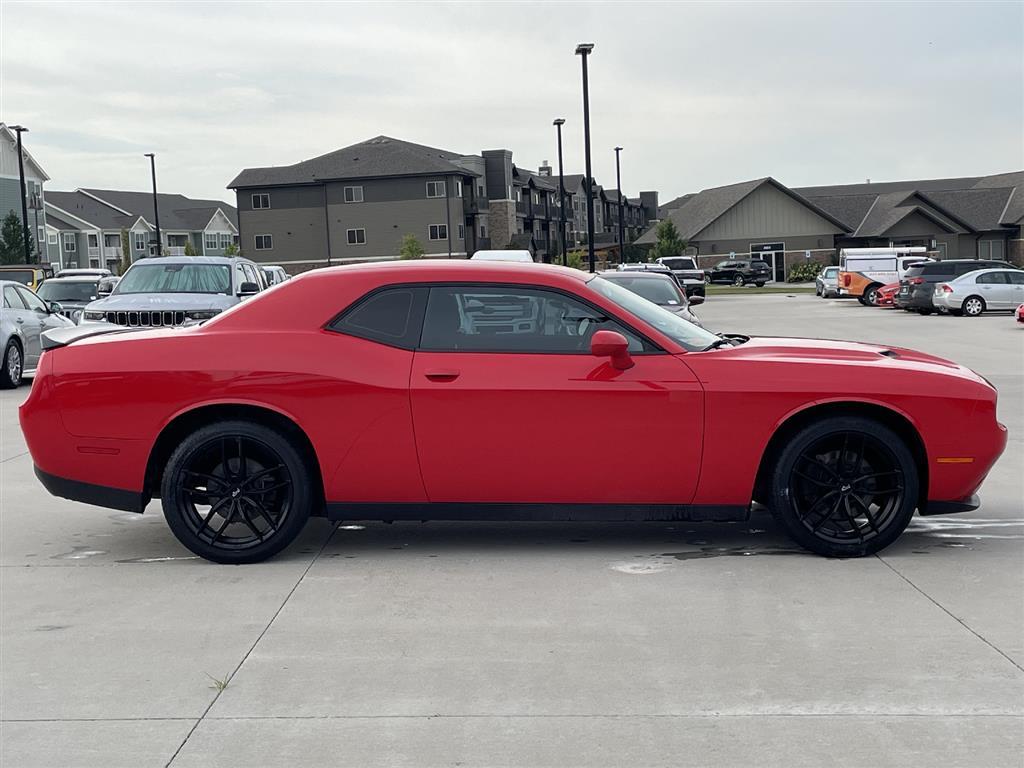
column 175, row 290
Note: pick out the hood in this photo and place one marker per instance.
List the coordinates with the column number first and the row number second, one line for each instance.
column 162, row 301
column 766, row 347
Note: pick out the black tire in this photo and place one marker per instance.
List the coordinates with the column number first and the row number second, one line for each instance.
column 862, row 300
column 264, row 484
column 13, row 365
column 973, row 306
column 759, row 285
column 924, row 312
column 738, row 280
column 871, row 296
column 860, row 464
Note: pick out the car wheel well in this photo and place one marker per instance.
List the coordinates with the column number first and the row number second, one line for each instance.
column 186, row 423
column 16, row 342
column 893, row 420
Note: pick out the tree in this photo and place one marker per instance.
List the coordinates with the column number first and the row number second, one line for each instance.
column 576, row 259
column 190, row 250
column 669, row 242
column 12, row 240
column 126, row 252
column 231, row 250
column 411, row 247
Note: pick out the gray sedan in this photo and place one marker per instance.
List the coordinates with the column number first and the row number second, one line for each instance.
column 23, row 318
column 659, row 289
column 826, row 284
column 983, row 290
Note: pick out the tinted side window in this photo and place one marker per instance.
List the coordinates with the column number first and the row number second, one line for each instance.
column 31, row 300
column 938, row 268
column 391, row 316
column 11, row 298
column 990, row 278
column 1016, row 278
column 512, row 319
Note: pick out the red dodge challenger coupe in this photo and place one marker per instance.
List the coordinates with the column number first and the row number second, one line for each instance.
column 454, row 391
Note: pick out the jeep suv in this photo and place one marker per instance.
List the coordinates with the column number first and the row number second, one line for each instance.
column 918, row 284
column 176, row 290
column 741, row 272
column 687, row 273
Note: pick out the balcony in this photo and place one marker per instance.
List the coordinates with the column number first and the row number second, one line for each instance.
column 174, row 250
column 111, row 252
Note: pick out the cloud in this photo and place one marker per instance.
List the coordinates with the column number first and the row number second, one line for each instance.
column 698, row 94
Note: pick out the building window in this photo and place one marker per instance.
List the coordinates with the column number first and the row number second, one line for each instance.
column 483, row 231
column 264, row 242
column 225, row 239
column 69, row 242
column 140, row 240
column 458, row 189
column 52, row 238
column 438, row 231
column 261, row 200
column 435, row 189
column 480, row 190
column 536, row 199
column 519, row 195
column 353, row 194
column 462, row 231
column 990, row 249
column 356, row 236
column 211, row 241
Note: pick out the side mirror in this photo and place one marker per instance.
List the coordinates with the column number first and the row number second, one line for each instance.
column 612, row 344
column 248, row 289
column 695, row 300
column 55, row 308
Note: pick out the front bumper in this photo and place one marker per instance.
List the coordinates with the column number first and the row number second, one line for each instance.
column 969, row 504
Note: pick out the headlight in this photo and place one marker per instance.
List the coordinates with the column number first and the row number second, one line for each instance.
column 93, row 316
column 201, row 314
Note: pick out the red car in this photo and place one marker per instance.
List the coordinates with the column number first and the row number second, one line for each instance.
column 472, row 390
column 1020, row 314
column 886, row 295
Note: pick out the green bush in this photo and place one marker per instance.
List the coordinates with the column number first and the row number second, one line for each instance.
column 577, row 259
column 804, row 272
column 411, row 247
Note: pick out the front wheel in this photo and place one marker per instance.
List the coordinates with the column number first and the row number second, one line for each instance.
column 236, row 492
column 845, row 486
column 738, row 280
column 10, row 374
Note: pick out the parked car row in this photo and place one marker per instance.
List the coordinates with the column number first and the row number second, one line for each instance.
column 968, row 287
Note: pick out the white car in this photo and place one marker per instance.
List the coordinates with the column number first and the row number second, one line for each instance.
column 275, row 275
column 983, row 290
column 23, row 318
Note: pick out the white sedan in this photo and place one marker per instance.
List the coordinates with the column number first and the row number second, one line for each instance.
column 983, row 290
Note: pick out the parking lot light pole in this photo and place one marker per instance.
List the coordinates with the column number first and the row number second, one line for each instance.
column 24, row 193
column 583, row 50
column 561, row 192
column 622, row 228
column 156, row 207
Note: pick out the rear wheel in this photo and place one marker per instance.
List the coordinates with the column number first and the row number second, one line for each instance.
column 846, row 486
column 973, row 306
column 759, row 285
column 10, row 375
column 871, row 296
column 236, row 492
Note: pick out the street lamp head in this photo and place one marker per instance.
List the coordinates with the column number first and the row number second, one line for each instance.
column 559, row 121
column 584, row 48
column 618, row 149
column 19, row 129
column 148, row 154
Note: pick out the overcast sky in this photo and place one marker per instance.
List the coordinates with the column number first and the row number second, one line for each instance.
column 698, row 94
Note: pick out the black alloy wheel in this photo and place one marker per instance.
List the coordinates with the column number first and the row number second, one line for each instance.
column 236, row 492
column 845, row 487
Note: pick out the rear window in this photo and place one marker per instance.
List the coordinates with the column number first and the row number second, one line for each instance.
column 679, row 263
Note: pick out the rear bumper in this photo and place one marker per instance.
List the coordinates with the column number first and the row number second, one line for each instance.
column 87, row 493
column 969, row 504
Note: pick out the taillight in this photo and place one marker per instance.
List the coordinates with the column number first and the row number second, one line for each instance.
column 945, row 288
column 916, row 280
column 847, row 280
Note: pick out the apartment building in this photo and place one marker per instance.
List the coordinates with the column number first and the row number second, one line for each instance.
column 83, row 228
column 10, row 186
column 359, row 202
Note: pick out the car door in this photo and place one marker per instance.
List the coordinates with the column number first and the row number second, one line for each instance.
column 28, row 321
column 995, row 289
column 47, row 320
column 510, row 406
column 1016, row 279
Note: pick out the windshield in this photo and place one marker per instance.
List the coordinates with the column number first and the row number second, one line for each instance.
column 683, row 332
column 679, row 263
column 23, row 276
column 81, row 291
column 175, row 278
column 659, row 291
column 831, row 272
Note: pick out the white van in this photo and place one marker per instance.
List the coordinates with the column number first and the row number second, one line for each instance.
column 862, row 271
column 502, row 256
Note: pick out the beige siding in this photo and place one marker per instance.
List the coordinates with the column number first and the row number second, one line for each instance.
column 766, row 214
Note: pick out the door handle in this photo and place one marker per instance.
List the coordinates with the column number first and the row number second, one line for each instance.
column 21, row 319
column 442, row 375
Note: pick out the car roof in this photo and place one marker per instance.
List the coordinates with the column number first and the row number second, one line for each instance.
column 191, row 260
column 986, row 270
column 455, row 269
column 636, row 274
column 78, row 278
